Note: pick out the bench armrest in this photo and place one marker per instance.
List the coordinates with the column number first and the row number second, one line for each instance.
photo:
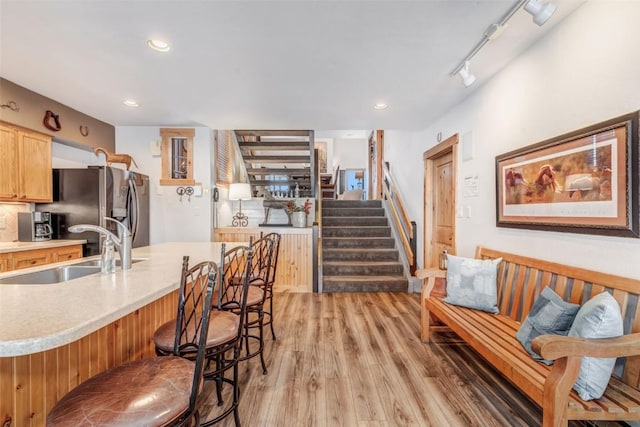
column 556, row 346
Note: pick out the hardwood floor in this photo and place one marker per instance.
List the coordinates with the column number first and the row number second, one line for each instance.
column 355, row 359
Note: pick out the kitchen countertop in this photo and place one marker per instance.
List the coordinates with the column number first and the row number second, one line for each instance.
column 36, row 318
column 27, row 246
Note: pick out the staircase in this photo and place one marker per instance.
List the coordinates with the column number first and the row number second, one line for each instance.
column 278, row 160
column 358, row 251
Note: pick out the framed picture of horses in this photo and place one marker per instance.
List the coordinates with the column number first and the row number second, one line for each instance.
column 586, row 181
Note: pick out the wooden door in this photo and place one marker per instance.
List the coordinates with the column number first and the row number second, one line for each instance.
column 440, row 200
column 8, row 164
column 376, row 157
column 442, row 213
column 35, row 164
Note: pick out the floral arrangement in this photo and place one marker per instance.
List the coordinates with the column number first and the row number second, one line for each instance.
column 293, row 207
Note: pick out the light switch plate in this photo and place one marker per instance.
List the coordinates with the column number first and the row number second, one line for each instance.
column 156, row 147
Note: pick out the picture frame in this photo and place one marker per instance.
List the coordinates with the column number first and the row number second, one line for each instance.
column 586, row 181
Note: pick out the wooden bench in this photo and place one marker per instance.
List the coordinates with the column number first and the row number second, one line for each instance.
column 520, row 281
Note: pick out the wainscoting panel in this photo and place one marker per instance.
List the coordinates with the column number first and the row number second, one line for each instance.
column 295, row 262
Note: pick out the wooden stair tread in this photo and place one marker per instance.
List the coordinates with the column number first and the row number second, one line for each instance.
column 276, row 159
column 275, row 145
column 364, row 278
column 274, row 133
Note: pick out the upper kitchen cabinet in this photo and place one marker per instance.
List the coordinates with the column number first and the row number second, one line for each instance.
column 25, row 165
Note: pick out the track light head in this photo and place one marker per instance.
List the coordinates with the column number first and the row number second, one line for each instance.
column 467, row 77
column 541, row 12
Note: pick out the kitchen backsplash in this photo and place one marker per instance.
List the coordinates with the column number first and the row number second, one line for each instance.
column 9, row 215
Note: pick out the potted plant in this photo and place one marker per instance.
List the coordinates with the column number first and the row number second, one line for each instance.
column 298, row 214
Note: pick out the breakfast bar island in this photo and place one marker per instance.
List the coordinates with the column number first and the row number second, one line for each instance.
column 55, row 336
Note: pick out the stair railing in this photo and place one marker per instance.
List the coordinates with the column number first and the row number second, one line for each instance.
column 317, row 225
column 407, row 229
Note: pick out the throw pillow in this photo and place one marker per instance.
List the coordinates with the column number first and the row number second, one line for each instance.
column 472, row 283
column 550, row 314
column 598, row 318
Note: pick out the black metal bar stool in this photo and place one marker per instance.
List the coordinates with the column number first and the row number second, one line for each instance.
column 227, row 322
column 161, row 391
column 230, row 303
column 268, row 311
column 258, row 279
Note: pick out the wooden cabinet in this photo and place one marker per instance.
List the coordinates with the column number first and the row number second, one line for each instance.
column 4, row 263
column 67, row 253
column 8, row 161
column 34, row 257
column 25, row 165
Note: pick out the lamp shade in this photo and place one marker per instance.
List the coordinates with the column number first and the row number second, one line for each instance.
column 240, row 191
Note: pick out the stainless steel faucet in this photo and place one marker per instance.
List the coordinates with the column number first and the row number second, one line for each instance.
column 123, row 241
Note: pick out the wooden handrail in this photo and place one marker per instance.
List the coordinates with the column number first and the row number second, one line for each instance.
column 317, row 225
column 406, row 227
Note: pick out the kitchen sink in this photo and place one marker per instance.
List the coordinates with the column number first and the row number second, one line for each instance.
column 51, row 275
column 98, row 262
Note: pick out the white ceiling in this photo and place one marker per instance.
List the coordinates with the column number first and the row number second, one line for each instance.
column 259, row 64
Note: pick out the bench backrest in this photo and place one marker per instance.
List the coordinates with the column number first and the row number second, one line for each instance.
column 521, row 279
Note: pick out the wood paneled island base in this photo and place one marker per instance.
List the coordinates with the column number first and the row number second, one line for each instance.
column 30, row 385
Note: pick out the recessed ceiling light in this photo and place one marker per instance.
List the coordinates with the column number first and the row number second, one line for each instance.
column 380, row 106
column 158, row 45
column 130, row 103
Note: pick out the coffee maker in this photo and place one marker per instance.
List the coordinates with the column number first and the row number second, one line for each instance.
column 34, row 226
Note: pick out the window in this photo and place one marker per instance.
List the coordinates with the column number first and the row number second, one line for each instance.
column 177, row 156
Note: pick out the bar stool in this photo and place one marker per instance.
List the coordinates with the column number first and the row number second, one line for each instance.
column 230, row 303
column 258, row 280
column 268, row 312
column 227, row 321
column 161, row 391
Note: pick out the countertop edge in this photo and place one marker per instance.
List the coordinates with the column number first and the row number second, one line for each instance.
column 28, row 346
column 6, row 247
column 62, row 313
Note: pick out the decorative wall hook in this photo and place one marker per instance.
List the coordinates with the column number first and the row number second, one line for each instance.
column 11, row 105
column 56, row 121
column 180, row 191
column 189, row 192
column 84, row 130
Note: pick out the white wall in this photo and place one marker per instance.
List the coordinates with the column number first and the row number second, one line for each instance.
column 66, row 156
column 350, row 153
column 172, row 220
column 583, row 72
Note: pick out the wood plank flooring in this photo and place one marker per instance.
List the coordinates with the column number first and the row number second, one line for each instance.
column 355, row 359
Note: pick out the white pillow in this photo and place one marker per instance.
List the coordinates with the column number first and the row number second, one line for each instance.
column 472, row 283
column 598, row 318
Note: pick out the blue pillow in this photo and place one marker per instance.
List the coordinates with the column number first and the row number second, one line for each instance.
column 472, row 283
column 550, row 314
column 599, row 317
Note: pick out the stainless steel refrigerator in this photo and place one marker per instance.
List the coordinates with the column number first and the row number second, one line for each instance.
column 86, row 196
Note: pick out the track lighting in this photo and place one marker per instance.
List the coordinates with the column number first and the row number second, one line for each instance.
column 541, row 12
column 467, row 77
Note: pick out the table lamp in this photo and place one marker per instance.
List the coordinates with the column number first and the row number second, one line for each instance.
column 240, row 191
